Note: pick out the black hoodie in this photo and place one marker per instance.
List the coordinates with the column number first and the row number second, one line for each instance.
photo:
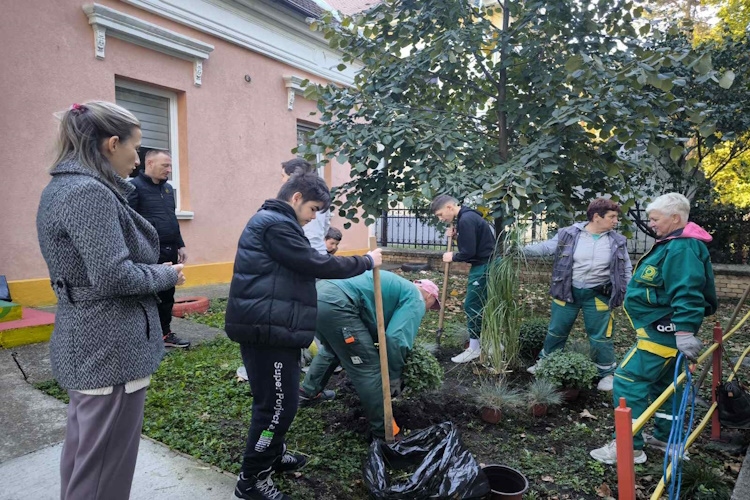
column 476, row 242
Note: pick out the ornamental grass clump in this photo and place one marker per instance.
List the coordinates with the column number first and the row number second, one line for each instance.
column 568, row 370
column 497, row 395
column 503, row 308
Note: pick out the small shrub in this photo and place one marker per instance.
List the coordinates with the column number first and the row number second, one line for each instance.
column 422, row 371
column 498, row 396
column 700, row 482
column 531, row 337
column 542, row 392
column 571, row 370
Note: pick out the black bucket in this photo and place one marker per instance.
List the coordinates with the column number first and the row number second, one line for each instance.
column 506, row 483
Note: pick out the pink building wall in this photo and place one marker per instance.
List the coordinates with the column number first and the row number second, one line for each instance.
column 233, row 135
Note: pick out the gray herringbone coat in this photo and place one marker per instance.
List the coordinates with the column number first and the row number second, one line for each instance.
column 102, row 258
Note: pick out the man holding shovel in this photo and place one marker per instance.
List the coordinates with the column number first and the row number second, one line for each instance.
column 476, row 243
column 347, row 327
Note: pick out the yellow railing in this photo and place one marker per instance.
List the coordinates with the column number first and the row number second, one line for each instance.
column 625, row 466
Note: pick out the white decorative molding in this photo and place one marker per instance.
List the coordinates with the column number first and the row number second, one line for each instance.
column 261, row 26
column 293, row 86
column 106, row 21
column 185, row 215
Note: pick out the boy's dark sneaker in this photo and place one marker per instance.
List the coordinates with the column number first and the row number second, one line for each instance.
column 325, row 395
column 171, row 340
column 289, row 462
column 252, row 488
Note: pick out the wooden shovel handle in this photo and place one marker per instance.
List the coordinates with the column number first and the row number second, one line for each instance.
column 384, row 375
column 444, row 294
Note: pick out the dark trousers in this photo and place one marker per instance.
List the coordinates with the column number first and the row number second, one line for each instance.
column 273, row 374
column 167, row 253
column 101, row 445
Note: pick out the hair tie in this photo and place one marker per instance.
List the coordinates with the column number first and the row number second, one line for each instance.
column 77, row 109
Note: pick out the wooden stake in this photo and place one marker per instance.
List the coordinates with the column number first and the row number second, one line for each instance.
column 384, row 375
column 444, row 295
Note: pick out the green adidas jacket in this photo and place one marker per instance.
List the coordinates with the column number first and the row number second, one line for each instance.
column 675, row 278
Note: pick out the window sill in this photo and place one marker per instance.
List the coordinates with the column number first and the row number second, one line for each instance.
column 185, row 215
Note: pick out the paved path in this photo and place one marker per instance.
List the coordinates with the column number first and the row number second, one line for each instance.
column 32, row 427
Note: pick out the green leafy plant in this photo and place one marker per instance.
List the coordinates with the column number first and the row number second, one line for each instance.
column 497, row 395
column 542, row 392
column 531, row 337
column 422, row 371
column 503, row 309
column 569, row 370
column 700, row 482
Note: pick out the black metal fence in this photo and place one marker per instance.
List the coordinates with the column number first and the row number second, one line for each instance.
column 407, row 228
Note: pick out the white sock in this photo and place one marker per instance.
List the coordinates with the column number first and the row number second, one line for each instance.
column 474, row 344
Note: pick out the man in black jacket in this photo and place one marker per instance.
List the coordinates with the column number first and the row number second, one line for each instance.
column 476, row 243
column 153, row 198
column 272, row 312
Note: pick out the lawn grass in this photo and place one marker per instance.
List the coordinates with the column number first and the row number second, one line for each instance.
column 196, row 405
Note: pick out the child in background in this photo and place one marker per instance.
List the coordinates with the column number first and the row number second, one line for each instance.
column 333, row 238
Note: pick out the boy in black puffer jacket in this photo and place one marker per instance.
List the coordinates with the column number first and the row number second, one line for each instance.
column 272, row 314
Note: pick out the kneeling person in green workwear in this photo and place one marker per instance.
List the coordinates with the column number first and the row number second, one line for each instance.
column 347, row 329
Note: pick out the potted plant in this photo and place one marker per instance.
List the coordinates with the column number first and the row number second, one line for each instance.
column 569, row 371
column 495, row 397
column 542, row 394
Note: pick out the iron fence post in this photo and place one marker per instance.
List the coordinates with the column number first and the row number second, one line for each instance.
column 384, row 229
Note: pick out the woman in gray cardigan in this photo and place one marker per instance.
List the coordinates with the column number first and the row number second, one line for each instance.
column 102, row 258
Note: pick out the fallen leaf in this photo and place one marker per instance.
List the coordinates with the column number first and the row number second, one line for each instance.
column 298, row 475
column 587, row 414
column 454, row 293
column 548, row 479
column 733, row 466
column 523, row 435
column 604, row 491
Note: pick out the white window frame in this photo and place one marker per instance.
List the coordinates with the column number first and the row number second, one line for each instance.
column 173, row 137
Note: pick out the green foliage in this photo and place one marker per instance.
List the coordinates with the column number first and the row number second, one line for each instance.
column 730, row 228
column 422, row 371
column 569, row 370
column 531, row 335
column 542, row 392
column 214, row 316
column 700, row 482
column 497, row 395
column 536, row 108
column 52, row 388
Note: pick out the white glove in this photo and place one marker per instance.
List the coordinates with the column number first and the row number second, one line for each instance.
column 688, row 345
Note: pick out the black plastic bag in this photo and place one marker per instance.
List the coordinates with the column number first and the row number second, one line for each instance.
column 443, row 467
column 734, row 405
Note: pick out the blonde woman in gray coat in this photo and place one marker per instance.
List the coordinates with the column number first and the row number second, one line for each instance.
column 102, row 258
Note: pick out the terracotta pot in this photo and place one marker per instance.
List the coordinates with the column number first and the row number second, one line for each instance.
column 189, row 305
column 491, row 415
column 505, row 483
column 539, row 410
column 570, row 395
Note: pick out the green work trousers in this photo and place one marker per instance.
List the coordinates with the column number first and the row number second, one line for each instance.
column 476, row 296
column 345, row 339
column 598, row 320
column 645, row 372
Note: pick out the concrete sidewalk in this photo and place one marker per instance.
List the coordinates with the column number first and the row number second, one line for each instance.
column 32, row 427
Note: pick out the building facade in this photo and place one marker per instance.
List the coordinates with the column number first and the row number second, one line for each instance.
column 216, row 82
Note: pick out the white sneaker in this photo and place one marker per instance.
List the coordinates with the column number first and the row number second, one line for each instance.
column 242, row 373
column 532, row 369
column 305, row 369
column 466, row 356
column 661, row 445
column 607, row 454
column 606, row 383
